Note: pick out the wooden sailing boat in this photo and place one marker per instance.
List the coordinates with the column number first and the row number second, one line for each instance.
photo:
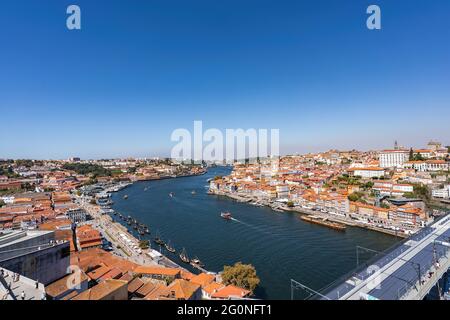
column 184, row 257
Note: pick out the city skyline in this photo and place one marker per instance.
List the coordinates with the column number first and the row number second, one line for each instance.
column 137, row 71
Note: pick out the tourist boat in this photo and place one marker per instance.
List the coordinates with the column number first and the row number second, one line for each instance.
column 129, row 222
column 324, row 222
column 197, row 263
column 125, row 197
column 169, row 247
column 145, row 189
column 141, row 232
column 159, row 241
column 226, row 215
column 171, row 194
column 193, row 192
column 184, row 257
column 147, row 230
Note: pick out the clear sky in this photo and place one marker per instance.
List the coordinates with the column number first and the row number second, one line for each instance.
column 140, row 69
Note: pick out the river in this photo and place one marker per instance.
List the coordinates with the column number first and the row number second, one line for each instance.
column 280, row 245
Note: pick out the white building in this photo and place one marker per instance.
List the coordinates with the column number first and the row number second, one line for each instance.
column 428, row 165
column 371, row 172
column 387, row 188
column 282, row 191
column 76, row 215
column 442, row 193
column 393, row 158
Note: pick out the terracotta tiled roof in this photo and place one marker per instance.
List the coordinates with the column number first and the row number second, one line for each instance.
column 203, row 279
column 213, row 287
column 230, row 291
column 101, row 290
column 65, row 284
column 134, row 285
column 171, row 272
column 98, row 272
column 182, row 289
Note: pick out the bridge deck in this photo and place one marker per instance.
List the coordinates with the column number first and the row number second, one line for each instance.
column 397, row 272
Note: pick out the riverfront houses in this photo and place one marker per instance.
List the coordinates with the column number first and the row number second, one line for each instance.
column 387, row 190
column 50, row 209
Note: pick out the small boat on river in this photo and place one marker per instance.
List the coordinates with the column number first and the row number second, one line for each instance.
column 226, row 215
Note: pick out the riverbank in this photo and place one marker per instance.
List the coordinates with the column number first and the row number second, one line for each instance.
column 279, row 207
column 191, row 221
column 124, row 243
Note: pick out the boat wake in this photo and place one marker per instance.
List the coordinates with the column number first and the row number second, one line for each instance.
column 256, row 228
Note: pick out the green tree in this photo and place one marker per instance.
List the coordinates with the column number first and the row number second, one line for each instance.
column 2, row 203
column 384, row 205
column 418, row 157
column 241, row 275
column 87, row 169
column 409, row 195
column 368, row 185
column 144, row 244
column 290, row 204
column 411, row 154
column 421, row 191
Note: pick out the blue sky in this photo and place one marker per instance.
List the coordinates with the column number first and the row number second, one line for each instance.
column 140, row 69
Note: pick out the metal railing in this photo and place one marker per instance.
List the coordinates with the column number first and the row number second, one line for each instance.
column 360, row 272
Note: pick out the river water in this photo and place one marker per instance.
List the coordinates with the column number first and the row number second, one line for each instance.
column 280, row 245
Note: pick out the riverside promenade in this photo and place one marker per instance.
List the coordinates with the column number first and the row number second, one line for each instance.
column 117, row 235
column 278, row 207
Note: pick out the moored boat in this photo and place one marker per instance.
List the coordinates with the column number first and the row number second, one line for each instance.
column 324, row 222
column 197, row 263
column 169, row 247
column 184, row 257
column 159, row 241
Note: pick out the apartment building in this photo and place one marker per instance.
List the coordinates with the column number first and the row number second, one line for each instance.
column 393, row 158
